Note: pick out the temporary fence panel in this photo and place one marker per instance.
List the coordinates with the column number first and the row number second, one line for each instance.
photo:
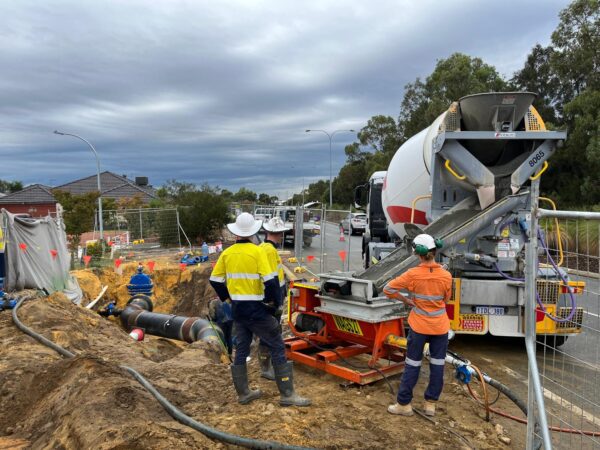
column 329, row 248
column 564, row 329
column 143, row 229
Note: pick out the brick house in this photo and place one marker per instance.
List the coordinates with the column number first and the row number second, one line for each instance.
column 36, row 200
column 113, row 186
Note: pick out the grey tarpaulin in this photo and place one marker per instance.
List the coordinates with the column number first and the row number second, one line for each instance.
column 37, row 257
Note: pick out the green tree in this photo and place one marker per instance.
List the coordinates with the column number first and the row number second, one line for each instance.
column 174, row 189
column 6, row 187
column 538, row 76
column 203, row 213
column 452, row 78
column 244, row 195
column 79, row 211
column 576, row 41
column 350, row 176
column 264, row 199
column 566, row 75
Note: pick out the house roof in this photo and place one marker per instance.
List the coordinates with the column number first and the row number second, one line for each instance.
column 128, row 190
column 36, row 193
column 113, row 186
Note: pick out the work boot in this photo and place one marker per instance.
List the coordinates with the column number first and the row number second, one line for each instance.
column 239, row 374
column 284, row 378
column 264, row 360
column 429, row 408
column 400, row 410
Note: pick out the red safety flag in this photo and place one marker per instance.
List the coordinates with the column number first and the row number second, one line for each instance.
column 310, row 258
column 182, row 266
column 118, row 262
column 53, row 253
column 23, row 246
column 109, row 243
column 342, row 254
column 87, row 259
column 151, row 266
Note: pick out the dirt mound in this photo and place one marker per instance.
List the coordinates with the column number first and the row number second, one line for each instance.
column 89, row 402
column 176, row 291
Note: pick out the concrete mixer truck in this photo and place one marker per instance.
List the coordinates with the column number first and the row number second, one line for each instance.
column 466, row 180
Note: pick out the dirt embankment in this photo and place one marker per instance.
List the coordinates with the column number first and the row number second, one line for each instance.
column 47, row 401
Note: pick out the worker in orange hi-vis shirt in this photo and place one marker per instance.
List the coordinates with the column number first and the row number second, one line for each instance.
column 426, row 288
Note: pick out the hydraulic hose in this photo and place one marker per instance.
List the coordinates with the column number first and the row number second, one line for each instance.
column 523, row 407
column 537, row 295
column 573, row 302
column 178, row 415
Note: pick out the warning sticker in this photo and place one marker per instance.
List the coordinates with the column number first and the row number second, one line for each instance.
column 347, row 325
column 504, row 246
column 505, row 232
column 512, row 254
column 504, row 135
column 474, row 323
column 502, row 254
column 508, row 99
column 515, row 244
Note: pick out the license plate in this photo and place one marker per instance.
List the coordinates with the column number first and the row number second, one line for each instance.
column 490, row 310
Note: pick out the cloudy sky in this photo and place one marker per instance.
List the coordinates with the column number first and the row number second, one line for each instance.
column 222, row 91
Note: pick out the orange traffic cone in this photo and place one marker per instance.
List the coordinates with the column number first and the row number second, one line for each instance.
column 342, row 237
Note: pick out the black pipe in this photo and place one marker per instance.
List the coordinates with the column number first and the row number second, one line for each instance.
column 137, row 314
column 208, row 431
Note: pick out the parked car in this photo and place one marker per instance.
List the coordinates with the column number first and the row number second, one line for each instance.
column 354, row 223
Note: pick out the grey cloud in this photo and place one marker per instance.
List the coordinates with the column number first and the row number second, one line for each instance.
column 221, row 92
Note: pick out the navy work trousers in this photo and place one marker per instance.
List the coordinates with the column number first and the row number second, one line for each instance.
column 267, row 329
column 438, row 344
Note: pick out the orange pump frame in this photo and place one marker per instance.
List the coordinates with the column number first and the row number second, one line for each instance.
column 342, row 338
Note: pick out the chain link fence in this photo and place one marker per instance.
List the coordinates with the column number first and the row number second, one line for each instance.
column 134, row 233
column 335, row 245
column 564, row 330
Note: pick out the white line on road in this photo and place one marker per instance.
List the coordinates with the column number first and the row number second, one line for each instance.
column 557, row 399
column 591, row 314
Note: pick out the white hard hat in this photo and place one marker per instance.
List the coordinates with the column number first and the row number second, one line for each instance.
column 245, row 225
column 275, row 225
column 424, row 240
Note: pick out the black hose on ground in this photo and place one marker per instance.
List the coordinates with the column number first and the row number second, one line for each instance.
column 208, row 431
column 510, row 394
column 537, row 443
column 38, row 337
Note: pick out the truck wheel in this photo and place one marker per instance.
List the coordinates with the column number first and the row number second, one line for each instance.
column 306, row 242
column 553, row 341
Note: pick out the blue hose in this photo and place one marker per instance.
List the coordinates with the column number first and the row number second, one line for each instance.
column 537, row 295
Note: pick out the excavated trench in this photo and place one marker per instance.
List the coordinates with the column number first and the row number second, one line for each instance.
column 47, row 401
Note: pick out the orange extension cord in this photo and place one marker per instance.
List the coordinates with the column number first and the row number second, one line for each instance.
column 488, row 409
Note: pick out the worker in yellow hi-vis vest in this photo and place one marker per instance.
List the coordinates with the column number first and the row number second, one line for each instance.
column 275, row 229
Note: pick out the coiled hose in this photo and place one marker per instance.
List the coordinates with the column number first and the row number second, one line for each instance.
column 175, row 413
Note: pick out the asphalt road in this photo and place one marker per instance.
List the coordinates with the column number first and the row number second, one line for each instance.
column 332, row 261
column 570, row 373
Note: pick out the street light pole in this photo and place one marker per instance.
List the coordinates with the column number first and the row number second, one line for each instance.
column 101, row 226
column 330, row 136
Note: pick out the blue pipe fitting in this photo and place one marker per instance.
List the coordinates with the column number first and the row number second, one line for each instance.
column 463, row 374
column 140, row 283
